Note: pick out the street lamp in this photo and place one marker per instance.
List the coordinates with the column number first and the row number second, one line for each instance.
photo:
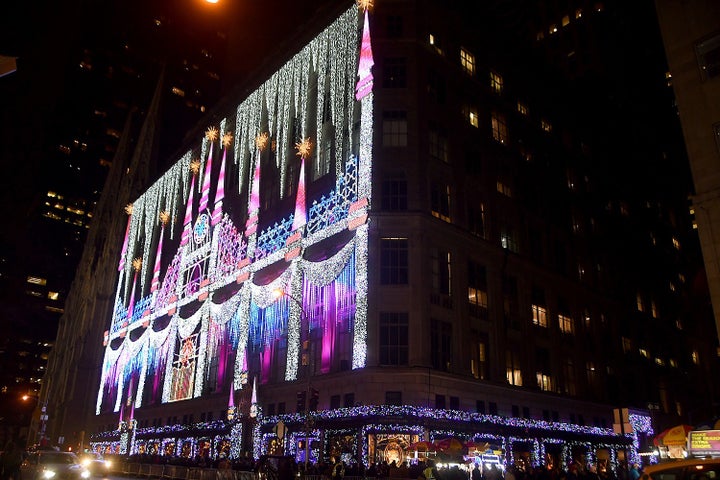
column 310, row 393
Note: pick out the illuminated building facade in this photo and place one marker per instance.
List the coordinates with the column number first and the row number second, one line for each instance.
column 436, row 277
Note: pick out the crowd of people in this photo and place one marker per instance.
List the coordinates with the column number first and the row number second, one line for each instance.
column 286, row 468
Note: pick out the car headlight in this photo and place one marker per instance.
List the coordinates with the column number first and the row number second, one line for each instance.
column 108, row 464
column 86, row 462
column 48, row 474
column 85, row 474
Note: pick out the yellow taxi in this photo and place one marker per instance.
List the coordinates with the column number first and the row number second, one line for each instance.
column 689, row 469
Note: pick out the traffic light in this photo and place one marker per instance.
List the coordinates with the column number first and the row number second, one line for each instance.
column 314, row 398
column 301, row 401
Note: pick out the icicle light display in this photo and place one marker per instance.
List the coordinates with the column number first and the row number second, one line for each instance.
column 176, row 311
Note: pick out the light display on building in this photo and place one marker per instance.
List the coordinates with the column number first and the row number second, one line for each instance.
column 199, row 313
column 241, row 217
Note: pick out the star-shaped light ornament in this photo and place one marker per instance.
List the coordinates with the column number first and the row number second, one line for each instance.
column 304, row 148
column 211, row 134
column 227, row 139
column 195, row 166
column 365, row 5
column 137, row 264
column 129, row 208
column 164, row 217
column 261, row 141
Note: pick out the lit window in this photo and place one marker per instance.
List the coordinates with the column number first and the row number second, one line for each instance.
column 566, row 324
column 566, row 20
column 653, row 309
column 434, row 42
column 588, row 320
column 546, row 126
column 639, row 302
column 522, row 108
column 659, row 361
column 626, row 345
column 467, row 60
column 513, row 372
column 540, row 35
column 178, row 91
column 472, row 116
column 578, row 13
column 676, row 243
column 544, row 381
column 644, row 352
column 673, row 362
column 440, row 201
column 678, row 324
column 36, row 280
column 695, row 356
column 553, row 29
column 599, row 7
column 539, row 314
column 499, row 127
column 503, row 188
column 53, row 295
column 496, row 82
column 672, row 287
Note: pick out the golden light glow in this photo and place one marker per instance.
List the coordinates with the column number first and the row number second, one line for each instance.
column 164, row 217
column 227, row 139
column 211, row 134
column 137, row 264
column 195, row 166
column 304, row 148
column 261, row 141
column 129, row 208
column 365, row 5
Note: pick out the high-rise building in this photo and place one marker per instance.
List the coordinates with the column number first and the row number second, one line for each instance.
column 410, row 229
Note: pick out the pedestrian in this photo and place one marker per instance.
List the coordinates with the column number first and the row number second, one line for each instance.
column 11, row 460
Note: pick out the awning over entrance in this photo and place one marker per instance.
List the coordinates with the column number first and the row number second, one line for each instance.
column 675, row 436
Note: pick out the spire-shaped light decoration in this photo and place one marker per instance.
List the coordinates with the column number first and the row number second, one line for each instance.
column 231, row 404
column 261, row 142
column 365, row 81
column 211, row 135
column 187, row 224
column 253, row 400
column 220, row 191
column 304, row 150
column 123, row 253
column 155, row 284
column 137, row 265
column 131, row 404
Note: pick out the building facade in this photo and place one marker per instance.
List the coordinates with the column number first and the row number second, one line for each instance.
column 387, row 241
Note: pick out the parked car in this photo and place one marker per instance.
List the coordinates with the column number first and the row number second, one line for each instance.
column 95, row 463
column 690, row 469
column 53, row 465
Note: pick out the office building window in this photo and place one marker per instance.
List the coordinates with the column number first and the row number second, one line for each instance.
column 470, row 113
column 480, row 406
column 439, row 401
column 546, row 125
column 394, row 72
column 477, row 290
column 334, row 401
column 499, row 127
column 394, row 26
column 513, row 370
column 394, row 334
column 566, row 324
column 507, row 239
column 522, row 108
column 708, row 56
column 539, row 311
column 434, row 42
column 393, row 194
column 569, row 381
column 395, row 129
column 592, row 376
column 441, row 271
column 438, row 144
column 349, row 400
column 467, row 60
column 479, row 362
column 393, row 261
column 436, row 86
column 454, row 403
column 441, row 344
column 502, row 187
column 496, row 82
column 476, row 219
column 440, row 201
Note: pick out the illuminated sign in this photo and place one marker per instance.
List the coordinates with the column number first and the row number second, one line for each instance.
column 704, row 442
